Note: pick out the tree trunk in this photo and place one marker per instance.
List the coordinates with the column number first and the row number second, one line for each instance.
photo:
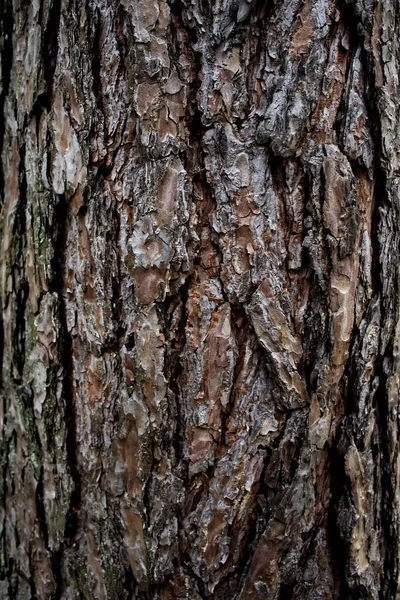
column 199, row 279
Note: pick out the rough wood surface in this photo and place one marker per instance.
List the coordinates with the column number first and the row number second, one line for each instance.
column 199, row 277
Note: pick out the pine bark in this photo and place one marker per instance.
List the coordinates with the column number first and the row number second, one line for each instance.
column 199, row 287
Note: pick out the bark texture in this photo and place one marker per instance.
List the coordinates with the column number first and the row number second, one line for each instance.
column 199, row 277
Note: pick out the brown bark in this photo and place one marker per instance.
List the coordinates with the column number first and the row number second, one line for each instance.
column 199, row 297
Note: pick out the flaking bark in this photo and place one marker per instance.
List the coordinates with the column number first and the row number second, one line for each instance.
column 199, row 299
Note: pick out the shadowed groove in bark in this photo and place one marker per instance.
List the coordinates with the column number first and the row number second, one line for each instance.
column 6, row 570
column 173, row 364
column 95, row 26
column 21, row 284
column 6, row 31
column 339, row 481
column 340, row 493
column 390, row 570
column 50, row 49
column 72, row 516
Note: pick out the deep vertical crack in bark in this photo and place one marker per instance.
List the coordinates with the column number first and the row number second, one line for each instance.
column 66, row 358
column 6, row 33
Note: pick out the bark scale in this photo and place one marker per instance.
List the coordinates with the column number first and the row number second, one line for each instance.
column 199, row 299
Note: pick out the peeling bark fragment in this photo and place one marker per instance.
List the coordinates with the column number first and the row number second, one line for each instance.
column 284, row 350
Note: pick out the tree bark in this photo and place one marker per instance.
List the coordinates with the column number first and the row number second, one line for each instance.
column 199, row 279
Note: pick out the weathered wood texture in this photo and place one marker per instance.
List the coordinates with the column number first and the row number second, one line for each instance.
column 199, row 279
